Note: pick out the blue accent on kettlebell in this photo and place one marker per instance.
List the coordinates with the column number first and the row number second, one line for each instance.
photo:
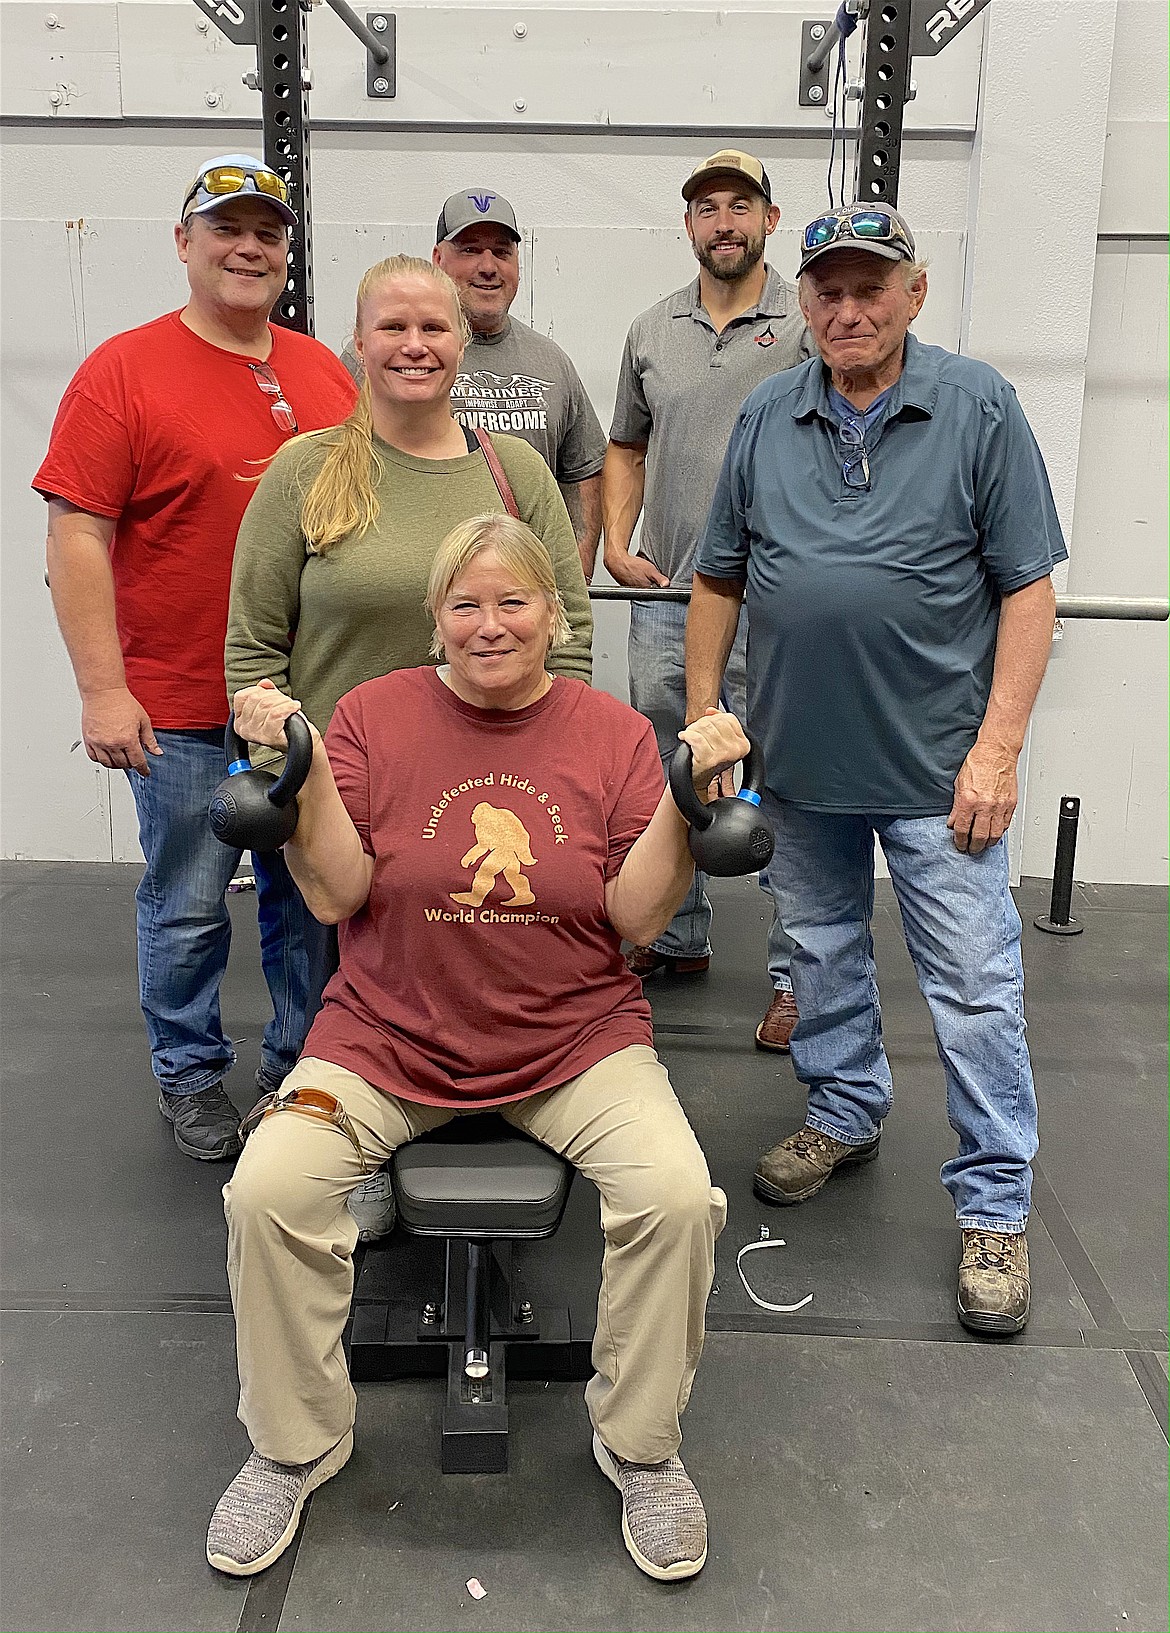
column 253, row 810
column 728, row 837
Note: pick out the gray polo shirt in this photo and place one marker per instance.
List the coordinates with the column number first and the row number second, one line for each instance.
column 873, row 614
column 522, row 382
column 679, row 390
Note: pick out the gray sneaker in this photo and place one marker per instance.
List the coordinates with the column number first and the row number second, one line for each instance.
column 257, row 1516
column 994, row 1287
column 371, row 1205
column 796, row 1169
column 663, row 1522
column 266, row 1084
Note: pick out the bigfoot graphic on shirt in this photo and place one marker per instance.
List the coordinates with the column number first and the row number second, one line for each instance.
column 501, row 839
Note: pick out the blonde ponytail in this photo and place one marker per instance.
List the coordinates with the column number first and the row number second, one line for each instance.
column 342, row 499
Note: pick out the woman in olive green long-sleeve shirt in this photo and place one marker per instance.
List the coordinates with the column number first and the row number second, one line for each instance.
column 335, row 549
column 336, row 546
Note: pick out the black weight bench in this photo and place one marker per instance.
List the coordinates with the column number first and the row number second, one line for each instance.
column 478, row 1185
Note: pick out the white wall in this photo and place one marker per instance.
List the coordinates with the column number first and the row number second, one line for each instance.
column 603, row 239
column 1100, row 729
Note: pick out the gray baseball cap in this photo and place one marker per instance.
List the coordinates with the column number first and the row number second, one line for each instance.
column 876, row 228
column 469, row 208
column 236, row 175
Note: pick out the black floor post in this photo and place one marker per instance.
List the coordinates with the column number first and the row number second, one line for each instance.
column 477, row 1328
column 1058, row 921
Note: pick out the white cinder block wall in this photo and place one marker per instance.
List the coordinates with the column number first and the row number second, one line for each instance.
column 1042, row 127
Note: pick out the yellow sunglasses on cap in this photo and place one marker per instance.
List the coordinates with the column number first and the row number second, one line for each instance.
column 225, row 179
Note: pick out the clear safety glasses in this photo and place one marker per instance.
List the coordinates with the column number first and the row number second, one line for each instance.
column 854, row 455
column 282, row 411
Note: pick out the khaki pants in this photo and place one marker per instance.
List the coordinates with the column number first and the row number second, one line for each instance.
column 291, row 1242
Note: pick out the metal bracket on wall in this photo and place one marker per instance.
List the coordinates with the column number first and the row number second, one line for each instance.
column 382, row 77
column 814, row 83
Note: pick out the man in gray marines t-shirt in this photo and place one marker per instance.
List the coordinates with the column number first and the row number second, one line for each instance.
column 688, row 364
column 512, row 379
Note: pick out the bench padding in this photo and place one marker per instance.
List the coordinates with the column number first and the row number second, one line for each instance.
column 478, row 1177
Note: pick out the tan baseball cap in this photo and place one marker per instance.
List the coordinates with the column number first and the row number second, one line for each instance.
column 729, row 161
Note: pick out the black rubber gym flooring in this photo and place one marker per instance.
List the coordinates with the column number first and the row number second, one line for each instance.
column 865, row 1463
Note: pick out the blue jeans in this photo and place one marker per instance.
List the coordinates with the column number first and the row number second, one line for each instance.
column 658, row 690
column 963, row 934
column 184, row 931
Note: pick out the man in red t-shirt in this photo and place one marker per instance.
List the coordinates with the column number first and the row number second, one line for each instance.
column 152, row 460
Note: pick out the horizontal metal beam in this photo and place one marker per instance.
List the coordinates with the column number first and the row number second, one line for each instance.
column 1113, row 606
column 618, row 592
column 1131, row 609
column 1148, row 608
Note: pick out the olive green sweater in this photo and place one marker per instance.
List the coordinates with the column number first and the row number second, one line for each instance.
column 319, row 625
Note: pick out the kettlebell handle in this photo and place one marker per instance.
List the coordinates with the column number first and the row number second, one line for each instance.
column 288, row 785
column 682, row 786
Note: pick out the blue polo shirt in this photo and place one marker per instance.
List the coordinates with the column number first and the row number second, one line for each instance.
column 873, row 613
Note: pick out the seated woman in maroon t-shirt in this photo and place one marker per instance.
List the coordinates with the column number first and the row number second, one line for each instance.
column 484, row 834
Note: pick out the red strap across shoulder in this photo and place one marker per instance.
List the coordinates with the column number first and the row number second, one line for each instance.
column 497, row 470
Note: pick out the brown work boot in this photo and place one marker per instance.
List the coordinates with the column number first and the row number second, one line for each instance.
column 796, row 1169
column 778, row 1025
column 643, row 961
column 994, row 1290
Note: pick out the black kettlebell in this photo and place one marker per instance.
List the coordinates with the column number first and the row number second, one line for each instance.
column 254, row 810
column 729, row 836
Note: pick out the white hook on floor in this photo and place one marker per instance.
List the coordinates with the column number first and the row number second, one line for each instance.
column 779, row 1309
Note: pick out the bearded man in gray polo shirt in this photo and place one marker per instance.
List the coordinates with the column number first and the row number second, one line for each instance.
column 888, row 511
column 512, row 378
column 688, row 364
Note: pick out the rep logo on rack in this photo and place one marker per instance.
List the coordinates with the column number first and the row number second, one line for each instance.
column 931, row 31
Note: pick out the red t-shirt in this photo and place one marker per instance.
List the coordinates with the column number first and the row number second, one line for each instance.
column 156, row 430
column 483, row 968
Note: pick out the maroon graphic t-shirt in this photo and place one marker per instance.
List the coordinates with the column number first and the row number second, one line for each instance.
column 483, row 968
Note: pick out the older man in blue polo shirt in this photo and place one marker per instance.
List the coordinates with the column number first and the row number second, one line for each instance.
column 888, row 511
